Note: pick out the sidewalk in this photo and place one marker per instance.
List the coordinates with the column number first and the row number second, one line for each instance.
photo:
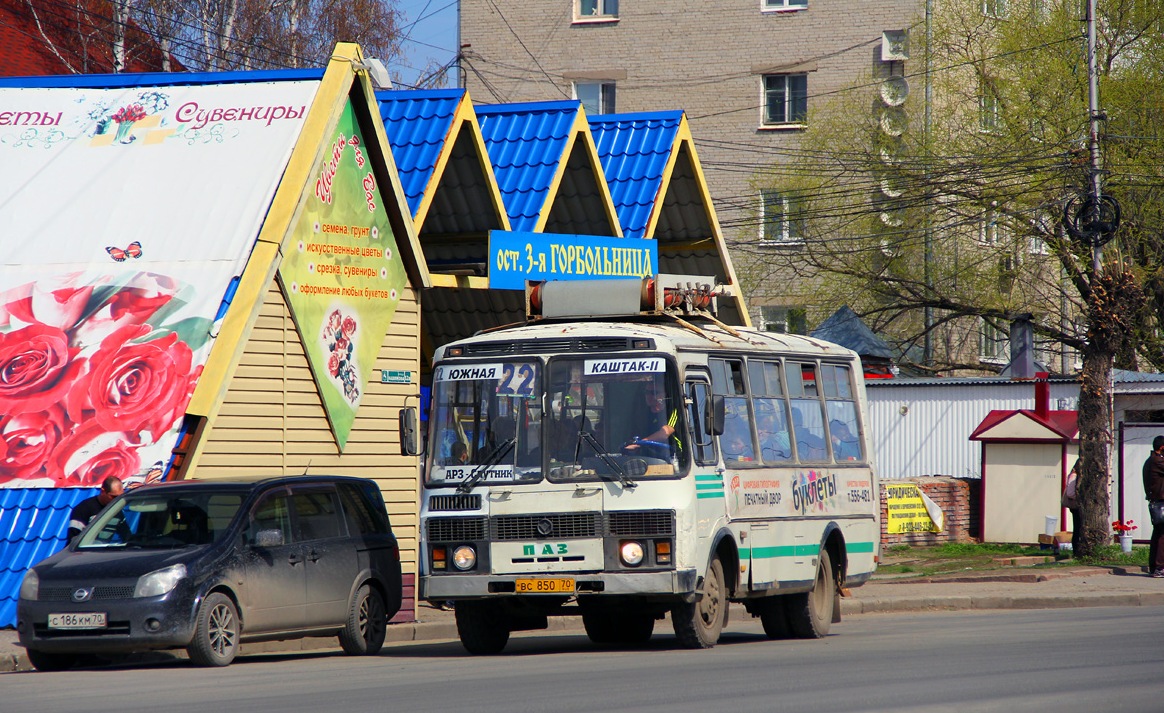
column 1059, row 588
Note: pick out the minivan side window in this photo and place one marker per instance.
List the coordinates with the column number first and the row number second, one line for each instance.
column 360, row 511
column 317, row 514
column 272, row 513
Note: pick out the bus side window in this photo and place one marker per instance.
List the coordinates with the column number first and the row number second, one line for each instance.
column 699, row 417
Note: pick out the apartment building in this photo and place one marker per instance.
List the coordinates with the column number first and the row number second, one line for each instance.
column 746, row 72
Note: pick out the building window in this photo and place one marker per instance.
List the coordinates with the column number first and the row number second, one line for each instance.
column 994, row 8
column 596, row 9
column 597, row 98
column 784, row 320
column 785, row 98
column 782, row 218
column 993, row 343
column 989, row 109
column 785, row 4
column 992, row 231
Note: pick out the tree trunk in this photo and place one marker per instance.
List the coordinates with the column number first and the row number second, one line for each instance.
column 1094, row 452
column 1113, row 309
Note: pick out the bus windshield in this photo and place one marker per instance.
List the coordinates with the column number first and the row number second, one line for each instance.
column 486, row 422
column 613, row 418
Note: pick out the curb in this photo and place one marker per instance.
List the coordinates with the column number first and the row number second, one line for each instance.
column 447, row 630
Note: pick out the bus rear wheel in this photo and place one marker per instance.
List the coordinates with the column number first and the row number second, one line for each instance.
column 699, row 624
column 483, row 627
column 811, row 613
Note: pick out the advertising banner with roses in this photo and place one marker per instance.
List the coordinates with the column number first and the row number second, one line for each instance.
column 343, row 275
column 127, row 212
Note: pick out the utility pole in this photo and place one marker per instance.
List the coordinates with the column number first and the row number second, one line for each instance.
column 928, row 345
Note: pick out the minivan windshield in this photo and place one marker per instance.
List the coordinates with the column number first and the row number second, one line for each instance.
column 163, row 520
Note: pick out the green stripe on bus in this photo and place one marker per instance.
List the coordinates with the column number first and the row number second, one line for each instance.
column 709, row 494
column 718, row 478
column 803, row 550
column 708, row 486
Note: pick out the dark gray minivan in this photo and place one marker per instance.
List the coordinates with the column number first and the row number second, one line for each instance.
column 207, row 565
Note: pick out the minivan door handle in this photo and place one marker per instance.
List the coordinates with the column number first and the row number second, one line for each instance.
column 313, row 556
column 294, row 558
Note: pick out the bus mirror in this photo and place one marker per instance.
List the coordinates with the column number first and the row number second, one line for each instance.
column 409, row 440
column 716, row 416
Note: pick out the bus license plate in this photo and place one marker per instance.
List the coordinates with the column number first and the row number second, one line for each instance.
column 89, row 620
column 541, row 585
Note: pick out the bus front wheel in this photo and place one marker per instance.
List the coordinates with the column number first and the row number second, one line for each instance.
column 810, row 613
column 483, row 627
column 698, row 624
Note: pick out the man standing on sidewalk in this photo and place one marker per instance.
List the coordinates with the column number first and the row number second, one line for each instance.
column 111, row 487
column 1154, row 489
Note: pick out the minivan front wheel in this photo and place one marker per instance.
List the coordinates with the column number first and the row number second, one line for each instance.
column 367, row 624
column 216, row 632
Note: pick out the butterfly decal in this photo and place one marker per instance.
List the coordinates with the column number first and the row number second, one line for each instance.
column 133, row 250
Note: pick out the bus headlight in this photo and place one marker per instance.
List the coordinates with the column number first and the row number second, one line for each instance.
column 464, row 558
column 631, row 553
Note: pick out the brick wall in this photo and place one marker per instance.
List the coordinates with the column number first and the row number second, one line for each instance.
column 958, row 499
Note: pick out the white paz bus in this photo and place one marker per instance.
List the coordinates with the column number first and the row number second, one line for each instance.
column 624, row 456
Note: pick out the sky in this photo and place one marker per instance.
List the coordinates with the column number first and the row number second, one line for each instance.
column 431, row 30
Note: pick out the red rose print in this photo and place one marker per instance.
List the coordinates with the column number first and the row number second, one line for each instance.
column 61, row 308
column 349, row 326
column 91, row 455
column 26, row 440
column 37, row 368
column 136, row 306
column 333, row 364
column 134, row 387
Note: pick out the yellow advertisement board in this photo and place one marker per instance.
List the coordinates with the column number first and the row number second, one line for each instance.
column 907, row 510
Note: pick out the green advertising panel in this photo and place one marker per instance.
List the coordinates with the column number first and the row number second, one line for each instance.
column 343, row 275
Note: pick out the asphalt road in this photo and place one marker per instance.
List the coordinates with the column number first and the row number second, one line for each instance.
column 1086, row 660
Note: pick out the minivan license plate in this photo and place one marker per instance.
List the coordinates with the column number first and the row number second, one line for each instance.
column 89, row 620
column 557, row 585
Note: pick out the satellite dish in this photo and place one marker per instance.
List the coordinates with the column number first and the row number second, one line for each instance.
column 894, row 121
column 894, row 91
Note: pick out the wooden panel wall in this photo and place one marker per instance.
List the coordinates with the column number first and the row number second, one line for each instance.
column 272, row 419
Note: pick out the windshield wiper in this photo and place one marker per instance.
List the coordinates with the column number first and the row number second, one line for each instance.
column 494, row 457
column 588, row 437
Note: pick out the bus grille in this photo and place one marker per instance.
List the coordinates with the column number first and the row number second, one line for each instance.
column 456, row 529
column 559, row 525
column 648, row 523
column 450, row 503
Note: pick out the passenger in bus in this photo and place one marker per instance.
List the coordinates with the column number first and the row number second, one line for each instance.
column 736, row 447
column 459, row 454
column 809, row 445
column 774, row 443
column 845, row 446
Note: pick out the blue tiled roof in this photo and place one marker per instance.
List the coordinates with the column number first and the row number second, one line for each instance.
column 160, row 79
column 634, row 150
column 525, row 143
column 417, row 123
column 33, row 525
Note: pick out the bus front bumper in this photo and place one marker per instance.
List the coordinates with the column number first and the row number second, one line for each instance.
column 680, row 584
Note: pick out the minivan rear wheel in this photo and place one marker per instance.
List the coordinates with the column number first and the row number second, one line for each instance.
column 367, row 624
column 216, row 632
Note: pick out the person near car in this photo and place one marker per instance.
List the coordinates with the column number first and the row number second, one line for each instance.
column 88, row 508
column 1154, row 490
column 1070, row 500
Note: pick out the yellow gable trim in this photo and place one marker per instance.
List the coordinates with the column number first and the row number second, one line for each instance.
column 464, row 119
column 580, row 132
